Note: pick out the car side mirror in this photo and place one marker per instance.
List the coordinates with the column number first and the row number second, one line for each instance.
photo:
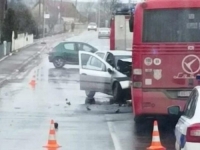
column 174, row 110
column 110, row 71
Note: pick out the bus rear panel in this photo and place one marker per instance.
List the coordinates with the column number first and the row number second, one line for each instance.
column 166, row 54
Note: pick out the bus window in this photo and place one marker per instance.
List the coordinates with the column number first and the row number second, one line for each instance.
column 171, row 25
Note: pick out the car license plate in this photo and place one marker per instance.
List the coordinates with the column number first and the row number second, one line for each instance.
column 184, row 93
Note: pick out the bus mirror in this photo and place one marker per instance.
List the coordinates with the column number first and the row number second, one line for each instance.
column 131, row 24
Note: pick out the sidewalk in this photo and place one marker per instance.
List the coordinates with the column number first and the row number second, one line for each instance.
column 14, row 63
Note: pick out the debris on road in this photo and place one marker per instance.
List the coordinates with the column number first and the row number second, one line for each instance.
column 117, row 111
column 68, row 103
column 56, row 125
column 17, row 108
column 88, row 108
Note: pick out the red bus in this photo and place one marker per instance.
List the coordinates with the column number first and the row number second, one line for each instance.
column 166, row 55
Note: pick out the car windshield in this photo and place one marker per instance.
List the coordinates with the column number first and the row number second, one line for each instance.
column 99, row 74
column 104, row 29
column 93, row 24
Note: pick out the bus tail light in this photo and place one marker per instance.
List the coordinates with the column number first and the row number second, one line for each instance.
column 137, row 78
column 193, row 133
column 137, row 71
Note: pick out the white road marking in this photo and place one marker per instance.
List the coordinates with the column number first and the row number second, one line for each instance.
column 115, row 140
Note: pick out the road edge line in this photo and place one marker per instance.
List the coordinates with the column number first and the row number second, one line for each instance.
column 115, row 140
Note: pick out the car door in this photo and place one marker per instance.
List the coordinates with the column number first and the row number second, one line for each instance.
column 186, row 119
column 93, row 73
column 70, row 53
column 110, row 59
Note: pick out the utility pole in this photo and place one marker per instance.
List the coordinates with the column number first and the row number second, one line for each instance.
column 76, row 9
column 99, row 15
column 76, row 3
column 60, row 10
column 40, row 9
column 39, row 15
column 43, row 14
column 129, row 3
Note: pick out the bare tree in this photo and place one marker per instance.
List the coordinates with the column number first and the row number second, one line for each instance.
column 107, row 7
column 86, row 8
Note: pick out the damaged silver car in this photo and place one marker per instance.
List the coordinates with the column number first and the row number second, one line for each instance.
column 107, row 72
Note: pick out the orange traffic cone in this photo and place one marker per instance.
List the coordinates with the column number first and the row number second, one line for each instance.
column 52, row 143
column 33, row 82
column 156, row 144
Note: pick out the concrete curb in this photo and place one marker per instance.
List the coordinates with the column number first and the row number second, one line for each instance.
column 16, row 51
column 31, row 58
column 2, row 81
column 4, row 58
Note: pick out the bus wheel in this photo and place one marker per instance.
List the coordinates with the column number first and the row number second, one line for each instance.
column 117, row 93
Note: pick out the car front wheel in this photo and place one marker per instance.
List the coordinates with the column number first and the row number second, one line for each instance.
column 59, row 62
column 118, row 93
column 90, row 94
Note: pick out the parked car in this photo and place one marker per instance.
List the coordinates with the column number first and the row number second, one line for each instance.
column 67, row 53
column 104, row 32
column 92, row 26
column 187, row 130
column 106, row 72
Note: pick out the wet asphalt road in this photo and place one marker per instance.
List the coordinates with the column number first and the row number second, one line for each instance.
column 26, row 111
